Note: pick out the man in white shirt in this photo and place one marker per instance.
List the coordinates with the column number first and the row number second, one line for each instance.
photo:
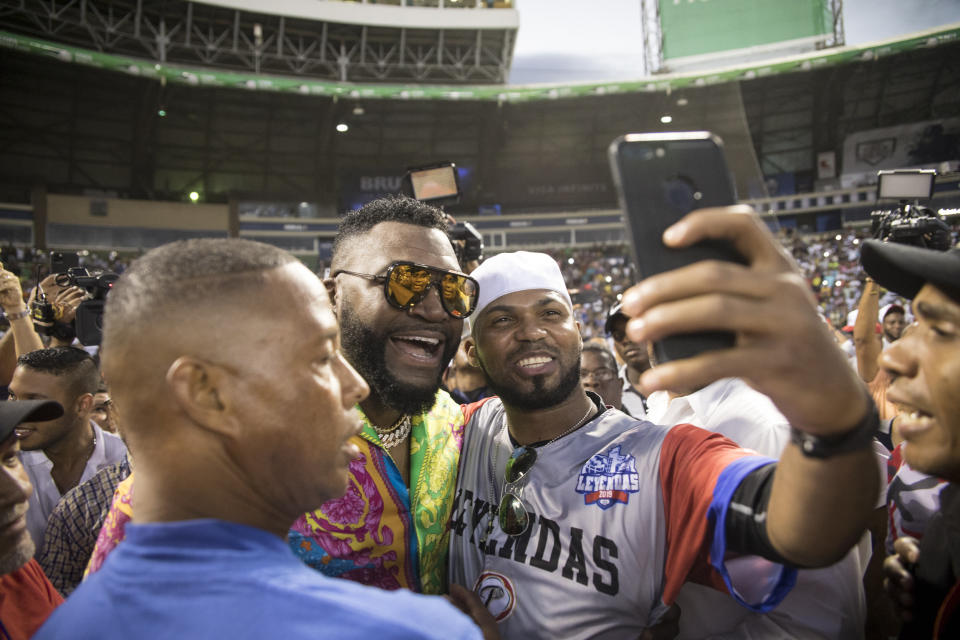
column 60, row 454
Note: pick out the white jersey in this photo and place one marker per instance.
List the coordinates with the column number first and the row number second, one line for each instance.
column 607, row 502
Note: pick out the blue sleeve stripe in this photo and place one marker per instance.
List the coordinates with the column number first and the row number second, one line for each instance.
column 730, row 478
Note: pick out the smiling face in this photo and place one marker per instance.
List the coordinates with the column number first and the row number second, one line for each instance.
column 528, row 345
column 400, row 353
column 419, row 280
column 29, row 384
column 893, row 324
column 925, row 366
column 16, row 546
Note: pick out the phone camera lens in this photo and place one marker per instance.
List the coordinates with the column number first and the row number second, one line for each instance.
column 682, row 194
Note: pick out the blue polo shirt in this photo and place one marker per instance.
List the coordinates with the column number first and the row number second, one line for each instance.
column 216, row 579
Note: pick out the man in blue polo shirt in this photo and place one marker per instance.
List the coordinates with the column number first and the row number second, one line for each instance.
column 239, row 422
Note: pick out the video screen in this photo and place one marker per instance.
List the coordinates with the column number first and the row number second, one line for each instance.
column 905, row 185
column 434, row 184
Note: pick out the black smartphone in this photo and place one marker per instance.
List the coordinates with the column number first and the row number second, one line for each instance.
column 661, row 177
column 62, row 262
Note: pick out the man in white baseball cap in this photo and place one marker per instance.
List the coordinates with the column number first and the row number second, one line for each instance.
column 573, row 520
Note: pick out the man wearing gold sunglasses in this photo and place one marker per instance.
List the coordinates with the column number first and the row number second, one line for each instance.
column 576, row 521
column 400, row 298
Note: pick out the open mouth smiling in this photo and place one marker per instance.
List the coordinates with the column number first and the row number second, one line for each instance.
column 419, row 347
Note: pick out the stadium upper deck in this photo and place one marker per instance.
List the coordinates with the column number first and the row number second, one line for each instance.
column 421, row 41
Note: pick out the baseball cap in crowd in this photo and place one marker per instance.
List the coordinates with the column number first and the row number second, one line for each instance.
column 904, row 269
column 517, row 271
column 893, row 306
column 13, row 412
column 852, row 316
column 615, row 312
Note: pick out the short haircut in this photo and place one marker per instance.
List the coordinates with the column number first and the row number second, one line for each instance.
column 76, row 367
column 389, row 209
column 602, row 352
column 185, row 275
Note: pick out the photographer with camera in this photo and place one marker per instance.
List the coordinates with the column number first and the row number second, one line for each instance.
column 54, row 305
column 69, row 306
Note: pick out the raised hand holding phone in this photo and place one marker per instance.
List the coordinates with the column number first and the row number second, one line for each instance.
column 661, row 177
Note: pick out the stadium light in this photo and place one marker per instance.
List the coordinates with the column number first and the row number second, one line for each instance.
column 162, row 112
column 666, row 119
column 194, row 196
column 343, row 127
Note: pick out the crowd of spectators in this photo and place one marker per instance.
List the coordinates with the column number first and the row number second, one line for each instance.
column 228, row 438
column 598, row 276
column 27, row 262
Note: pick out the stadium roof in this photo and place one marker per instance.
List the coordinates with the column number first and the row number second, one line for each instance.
column 200, row 76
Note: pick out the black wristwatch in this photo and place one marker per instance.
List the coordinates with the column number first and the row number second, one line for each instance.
column 828, row 446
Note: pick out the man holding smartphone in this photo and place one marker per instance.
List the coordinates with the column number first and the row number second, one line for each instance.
column 576, row 521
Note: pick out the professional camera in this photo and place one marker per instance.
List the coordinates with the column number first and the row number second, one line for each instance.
column 88, row 321
column 89, row 318
column 467, row 242
column 911, row 223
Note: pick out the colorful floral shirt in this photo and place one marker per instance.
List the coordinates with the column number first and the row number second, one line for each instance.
column 112, row 532
column 381, row 532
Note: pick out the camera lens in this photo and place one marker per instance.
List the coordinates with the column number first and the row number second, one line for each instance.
column 682, row 194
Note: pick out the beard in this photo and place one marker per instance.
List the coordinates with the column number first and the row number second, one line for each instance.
column 540, row 397
column 18, row 556
column 366, row 351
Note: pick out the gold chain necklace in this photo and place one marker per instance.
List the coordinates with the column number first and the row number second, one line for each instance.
column 395, row 433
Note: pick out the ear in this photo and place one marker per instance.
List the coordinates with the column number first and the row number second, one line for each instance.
column 84, row 404
column 197, row 389
column 470, row 348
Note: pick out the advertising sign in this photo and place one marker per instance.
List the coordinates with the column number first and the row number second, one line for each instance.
column 699, row 28
column 914, row 145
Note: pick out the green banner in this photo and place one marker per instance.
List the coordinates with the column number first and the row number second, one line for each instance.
column 699, row 27
column 500, row 93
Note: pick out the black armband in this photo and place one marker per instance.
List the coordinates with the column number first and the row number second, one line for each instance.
column 746, row 525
